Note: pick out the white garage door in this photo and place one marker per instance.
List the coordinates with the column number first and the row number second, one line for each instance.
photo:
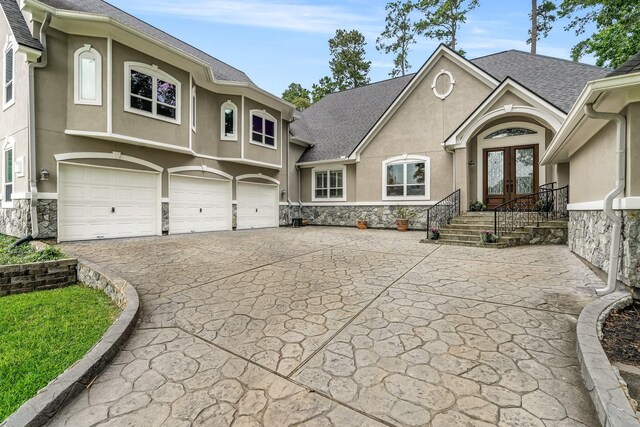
column 257, row 205
column 199, row 204
column 103, row 203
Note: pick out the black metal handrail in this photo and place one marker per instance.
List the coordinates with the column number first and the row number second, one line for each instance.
column 545, row 205
column 444, row 211
column 548, row 186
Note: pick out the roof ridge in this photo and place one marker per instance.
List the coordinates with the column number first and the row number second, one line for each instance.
column 541, row 55
column 369, row 84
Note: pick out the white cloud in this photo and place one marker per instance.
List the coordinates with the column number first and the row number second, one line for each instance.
column 282, row 14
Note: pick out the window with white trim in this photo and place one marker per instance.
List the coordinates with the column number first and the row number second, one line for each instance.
column 263, row 129
column 406, row 178
column 329, row 184
column 87, row 76
column 152, row 92
column 229, row 121
column 7, row 173
column 8, row 92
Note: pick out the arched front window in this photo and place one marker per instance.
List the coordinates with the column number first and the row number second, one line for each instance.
column 229, row 121
column 505, row 133
column 151, row 92
column 87, row 76
column 406, row 177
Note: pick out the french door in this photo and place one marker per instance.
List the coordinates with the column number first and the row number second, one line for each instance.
column 509, row 172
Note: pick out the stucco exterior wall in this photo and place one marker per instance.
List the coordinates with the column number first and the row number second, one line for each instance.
column 259, row 152
column 633, row 147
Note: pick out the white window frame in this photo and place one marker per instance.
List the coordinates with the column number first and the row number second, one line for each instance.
column 8, row 146
column 9, row 46
column 87, row 51
column 229, row 105
column 155, row 73
column 404, row 160
column 194, row 109
column 328, row 170
column 265, row 116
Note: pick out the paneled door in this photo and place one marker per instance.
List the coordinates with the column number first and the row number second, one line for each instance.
column 509, row 172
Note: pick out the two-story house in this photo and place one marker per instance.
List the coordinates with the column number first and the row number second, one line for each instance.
column 113, row 128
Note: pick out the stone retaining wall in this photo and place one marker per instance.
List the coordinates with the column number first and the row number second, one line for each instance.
column 376, row 216
column 15, row 279
column 590, row 238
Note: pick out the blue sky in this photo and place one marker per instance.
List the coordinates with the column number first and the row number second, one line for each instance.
column 277, row 42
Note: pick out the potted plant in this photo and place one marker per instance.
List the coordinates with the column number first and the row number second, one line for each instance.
column 434, row 233
column 487, row 236
column 544, row 205
column 403, row 215
column 477, row 206
column 362, row 223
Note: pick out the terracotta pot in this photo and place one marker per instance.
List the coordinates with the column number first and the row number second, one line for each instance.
column 362, row 225
column 402, row 224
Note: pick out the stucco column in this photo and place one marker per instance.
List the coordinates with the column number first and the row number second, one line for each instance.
column 633, row 150
column 462, row 176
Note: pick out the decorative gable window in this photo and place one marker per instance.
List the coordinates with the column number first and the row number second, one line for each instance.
column 328, row 184
column 8, row 92
column 263, row 129
column 7, row 174
column 406, row 177
column 87, row 75
column 151, row 92
column 229, row 121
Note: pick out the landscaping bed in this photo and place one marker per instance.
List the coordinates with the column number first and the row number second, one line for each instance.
column 621, row 335
column 42, row 334
column 25, row 253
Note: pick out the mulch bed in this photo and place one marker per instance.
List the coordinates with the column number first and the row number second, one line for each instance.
column 621, row 335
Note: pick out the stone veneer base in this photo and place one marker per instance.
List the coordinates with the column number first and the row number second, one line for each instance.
column 40, row 409
column 590, row 238
column 376, row 216
column 605, row 385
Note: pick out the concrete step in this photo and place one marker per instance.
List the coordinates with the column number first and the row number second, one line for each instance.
column 511, row 240
column 477, row 244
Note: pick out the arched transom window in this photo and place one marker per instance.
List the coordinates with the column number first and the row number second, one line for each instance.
column 504, row 133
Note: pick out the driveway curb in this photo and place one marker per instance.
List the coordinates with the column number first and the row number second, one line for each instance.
column 40, row 409
column 606, row 387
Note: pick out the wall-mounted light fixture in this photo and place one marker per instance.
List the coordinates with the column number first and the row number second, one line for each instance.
column 472, row 163
column 44, row 175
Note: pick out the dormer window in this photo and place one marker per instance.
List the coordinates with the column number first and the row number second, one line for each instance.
column 152, row 93
column 8, row 92
column 229, row 122
column 87, row 76
column 263, row 129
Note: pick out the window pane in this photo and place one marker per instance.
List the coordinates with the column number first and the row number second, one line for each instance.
column 141, row 104
column 269, row 141
column 228, row 122
column 166, row 93
column 8, row 63
column 87, row 78
column 269, row 127
column 415, row 190
column 415, row 173
column 8, row 190
column 256, row 137
column 321, row 193
column 321, row 180
column 395, row 174
column 256, row 123
column 395, row 190
column 141, row 84
column 8, row 166
column 495, row 172
column 335, row 192
column 165, row 111
column 524, row 171
column 8, row 96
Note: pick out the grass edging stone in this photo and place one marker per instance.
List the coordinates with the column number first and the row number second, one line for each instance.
column 606, row 387
column 41, row 408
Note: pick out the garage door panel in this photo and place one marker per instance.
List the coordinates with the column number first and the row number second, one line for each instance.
column 257, row 205
column 88, row 194
column 199, row 205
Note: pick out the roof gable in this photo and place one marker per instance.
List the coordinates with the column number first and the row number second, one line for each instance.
column 18, row 25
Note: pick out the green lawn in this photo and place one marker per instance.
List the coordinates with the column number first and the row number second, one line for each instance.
column 42, row 334
column 24, row 253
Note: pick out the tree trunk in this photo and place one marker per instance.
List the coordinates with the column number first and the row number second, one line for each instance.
column 534, row 25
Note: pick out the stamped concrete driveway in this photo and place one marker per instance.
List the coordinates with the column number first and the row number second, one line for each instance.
column 341, row 327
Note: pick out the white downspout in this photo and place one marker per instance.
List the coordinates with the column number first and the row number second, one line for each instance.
column 616, row 233
column 33, row 178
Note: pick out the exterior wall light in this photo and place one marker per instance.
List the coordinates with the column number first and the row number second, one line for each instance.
column 44, row 175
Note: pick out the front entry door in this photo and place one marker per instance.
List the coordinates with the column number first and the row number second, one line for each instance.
column 509, row 172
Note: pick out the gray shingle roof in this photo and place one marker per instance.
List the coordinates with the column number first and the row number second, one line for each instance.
column 221, row 70
column 558, row 81
column 631, row 66
column 18, row 25
column 339, row 121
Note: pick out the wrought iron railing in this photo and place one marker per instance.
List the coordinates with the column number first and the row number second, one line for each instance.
column 548, row 186
column 444, row 211
column 532, row 209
